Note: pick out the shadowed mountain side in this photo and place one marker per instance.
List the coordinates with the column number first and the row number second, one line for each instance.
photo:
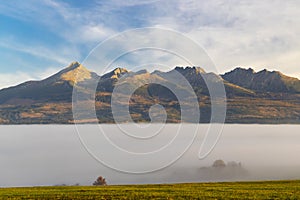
column 263, row 81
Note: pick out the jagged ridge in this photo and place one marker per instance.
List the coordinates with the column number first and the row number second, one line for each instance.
column 253, row 97
column 263, row 81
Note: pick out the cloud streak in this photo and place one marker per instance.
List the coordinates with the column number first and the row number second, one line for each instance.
column 12, row 79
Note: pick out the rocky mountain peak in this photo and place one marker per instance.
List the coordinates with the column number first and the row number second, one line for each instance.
column 74, row 65
column 254, row 97
column 75, row 72
column 116, row 73
column 263, row 81
column 196, row 70
column 241, row 70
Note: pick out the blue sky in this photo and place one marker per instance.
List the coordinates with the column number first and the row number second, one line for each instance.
column 40, row 37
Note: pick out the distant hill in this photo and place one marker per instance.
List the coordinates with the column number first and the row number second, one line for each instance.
column 252, row 97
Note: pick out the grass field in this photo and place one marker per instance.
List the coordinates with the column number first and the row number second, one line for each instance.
column 234, row 190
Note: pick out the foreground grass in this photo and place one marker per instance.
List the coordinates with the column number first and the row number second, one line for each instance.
column 233, row 190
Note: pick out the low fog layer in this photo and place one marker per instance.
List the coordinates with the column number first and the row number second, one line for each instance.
column 53, row 154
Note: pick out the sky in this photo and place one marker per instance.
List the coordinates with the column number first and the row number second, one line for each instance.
column 40, row 37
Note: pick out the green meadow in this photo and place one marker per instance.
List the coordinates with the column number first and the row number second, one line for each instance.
column 224, row 190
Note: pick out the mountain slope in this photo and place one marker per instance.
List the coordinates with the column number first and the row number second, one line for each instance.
column 263, row 81
column 262, row 97
column 56, row 88
column 107, row 81
column 198, row 79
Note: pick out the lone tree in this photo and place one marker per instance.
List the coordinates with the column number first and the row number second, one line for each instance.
column 100, row 181
column 219, row 163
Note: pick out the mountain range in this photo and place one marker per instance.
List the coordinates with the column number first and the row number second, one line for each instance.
column 251, row 97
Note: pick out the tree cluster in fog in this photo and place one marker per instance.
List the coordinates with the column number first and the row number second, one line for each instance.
column 221, row 170
column 100, row 181
column 221, row 163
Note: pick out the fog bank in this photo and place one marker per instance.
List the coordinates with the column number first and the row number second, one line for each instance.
column 53, row 154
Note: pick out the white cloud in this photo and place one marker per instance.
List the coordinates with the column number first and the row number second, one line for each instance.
column 90, row 34
column 74, row 25
column 261, row 34
column 9, row 79
column 147, row 47
column 40, row 51
column 12, row 79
